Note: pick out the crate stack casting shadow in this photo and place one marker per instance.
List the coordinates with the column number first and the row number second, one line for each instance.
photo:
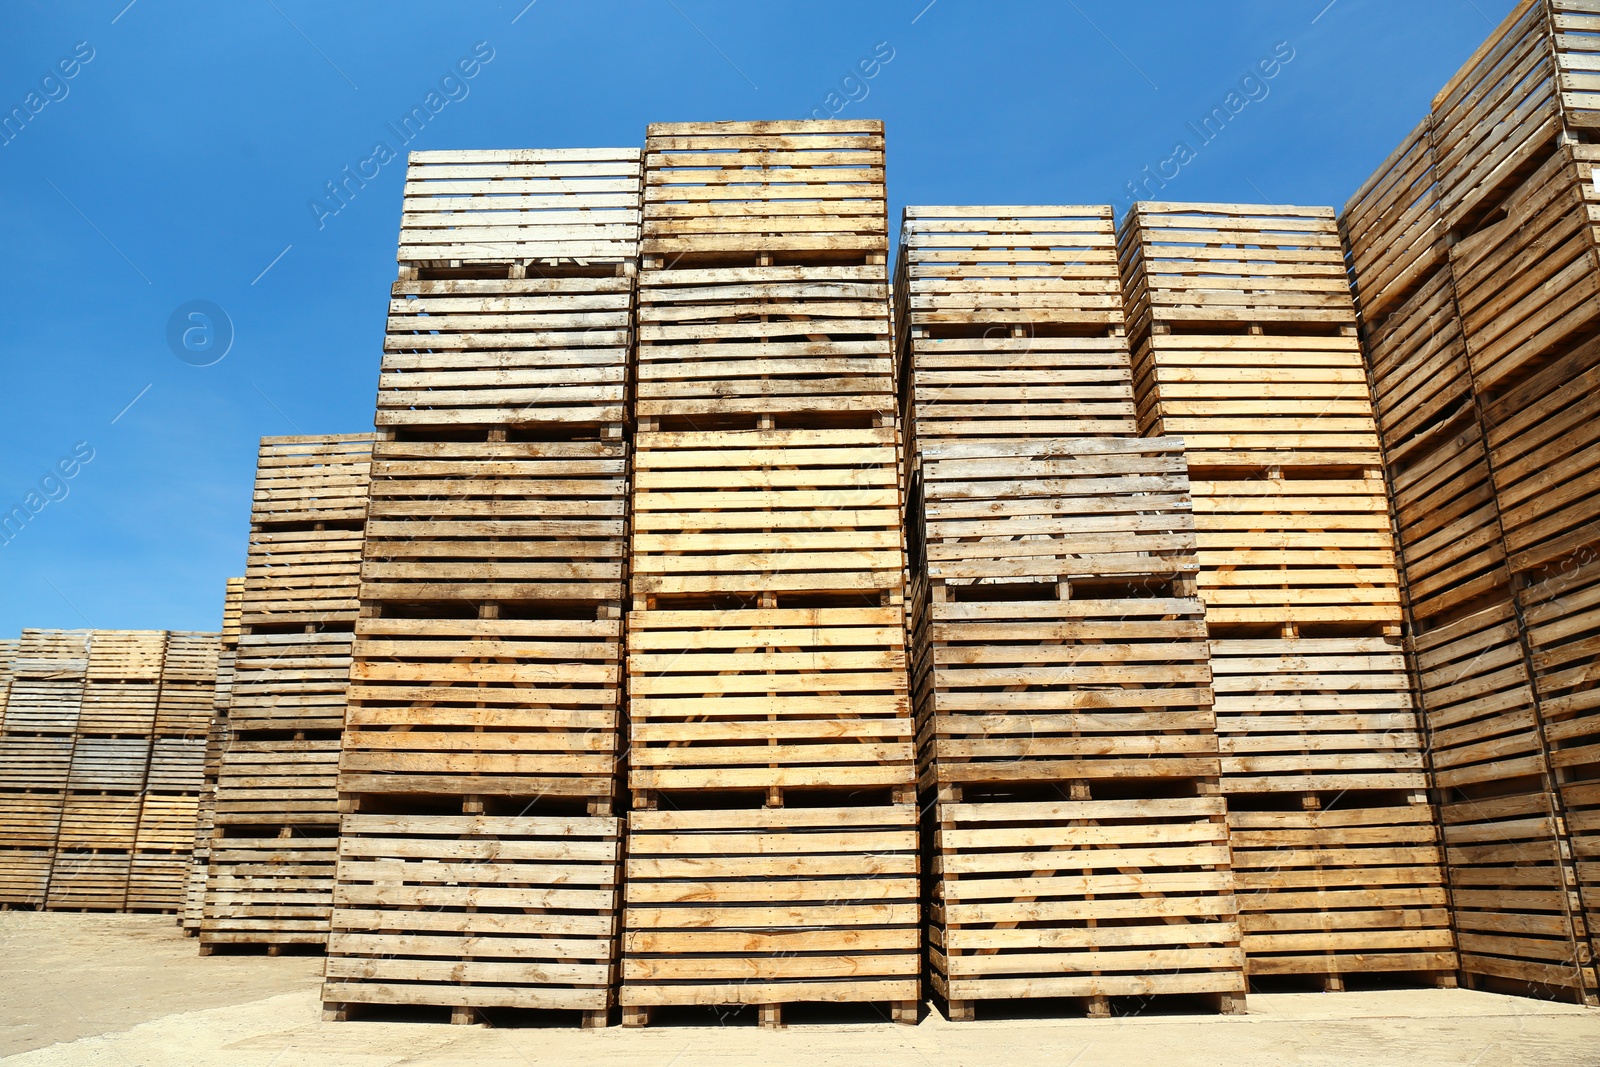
column 772, row 845
column 1473, row 252
column 480, row 846
column 36, row 736
column 1067, row 751
column 216, row 744
column 276, row 820
column 169, row 814
column 1244, row 338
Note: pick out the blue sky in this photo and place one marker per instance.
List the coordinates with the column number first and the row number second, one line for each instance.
column 179, row 160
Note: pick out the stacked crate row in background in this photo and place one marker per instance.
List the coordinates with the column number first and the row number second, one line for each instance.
column 101, row 740
column 1473, row 251
column 479, row 843
column 1244, row 340
column 1067, row 746
column 276, row 818
column 772, row 848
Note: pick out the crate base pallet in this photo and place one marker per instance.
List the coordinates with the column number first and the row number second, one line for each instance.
column 1519, row 923
column 89, row 881
column 1354, row 889
column 1089, row 899
column 772, row 906
column 473, row 912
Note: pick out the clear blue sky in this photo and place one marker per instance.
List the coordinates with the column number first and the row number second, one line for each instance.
column 180, row 160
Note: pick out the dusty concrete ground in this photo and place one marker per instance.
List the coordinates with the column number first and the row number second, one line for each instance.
column 131, row 991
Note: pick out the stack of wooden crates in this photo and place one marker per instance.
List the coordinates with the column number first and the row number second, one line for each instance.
column 276, row 819
column 103, row 735
column 1067, row 747
column 479, row 845
column 1244, row 344
column 1476, row 259
column 772, row 846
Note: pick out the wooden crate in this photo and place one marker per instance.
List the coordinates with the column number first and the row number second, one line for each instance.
column 1448, row 520
column 503, row 707
column 482, row 209
column 1392, row 227
column 1543, row 436
column 1011, row 321
column 1418, row 362
column 290, row 682
column 274, row 842
column 46, row 691
column 1258, row 400
column 1530, row 81
column 25, row 876
column 156, row 881
column 217, row 738
column 497, row 521
column 1090, row 898
column 185, row 709
column 773, row 340
column 96, row 881
column 269, row 890
column 305, row 534
column 191, row 658
column 232, row 612
column 1562, row 611
column 730, row 191
column 768, row 699
column 771, row 906
column 177, row 764
column 473, row 912
column 1477, row 701
column 766, row 511
column 119, row 707
column 1316, row 715
column 109, row 763
column 30, row 820
column 35, row 761
column 94, row 821
column 8, row 651
column 1277, row 549
column 518, row 352
column 1519, row 922
column 126, row 655
column 166, row 823
column 1356, row 889
column 1238, row 265
column 1529, row 281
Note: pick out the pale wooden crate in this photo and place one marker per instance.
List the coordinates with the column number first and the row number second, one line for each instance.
column 766, row 511
column 92, row 821
column 771, row 906
column 764, row 340
column 534, row 351
column 268, row 889
column 1418, row 362
column 290, row 682
column 126, row 655
column 39, row 762
column 503, row 707
column 475, row 911
column 1529, row 283
column 1087, row 898
column 156, row 881
column 1448, row 520
column 178, row 764
column 480, row 208
column 1542, row 436
column 1332, row 893
column 768, row 699
column 117, row 763
column 119, row 707
column 311, row 479
column 167, row 822
column 1317, row 715
column 736, row 190
column 497, row 521
column 185, row 709
column 30, row 820
column 25, row 876
column 91, row 881
column 43, row 705
column 1512, row 890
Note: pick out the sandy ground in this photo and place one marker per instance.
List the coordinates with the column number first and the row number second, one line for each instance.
column 131, row 991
